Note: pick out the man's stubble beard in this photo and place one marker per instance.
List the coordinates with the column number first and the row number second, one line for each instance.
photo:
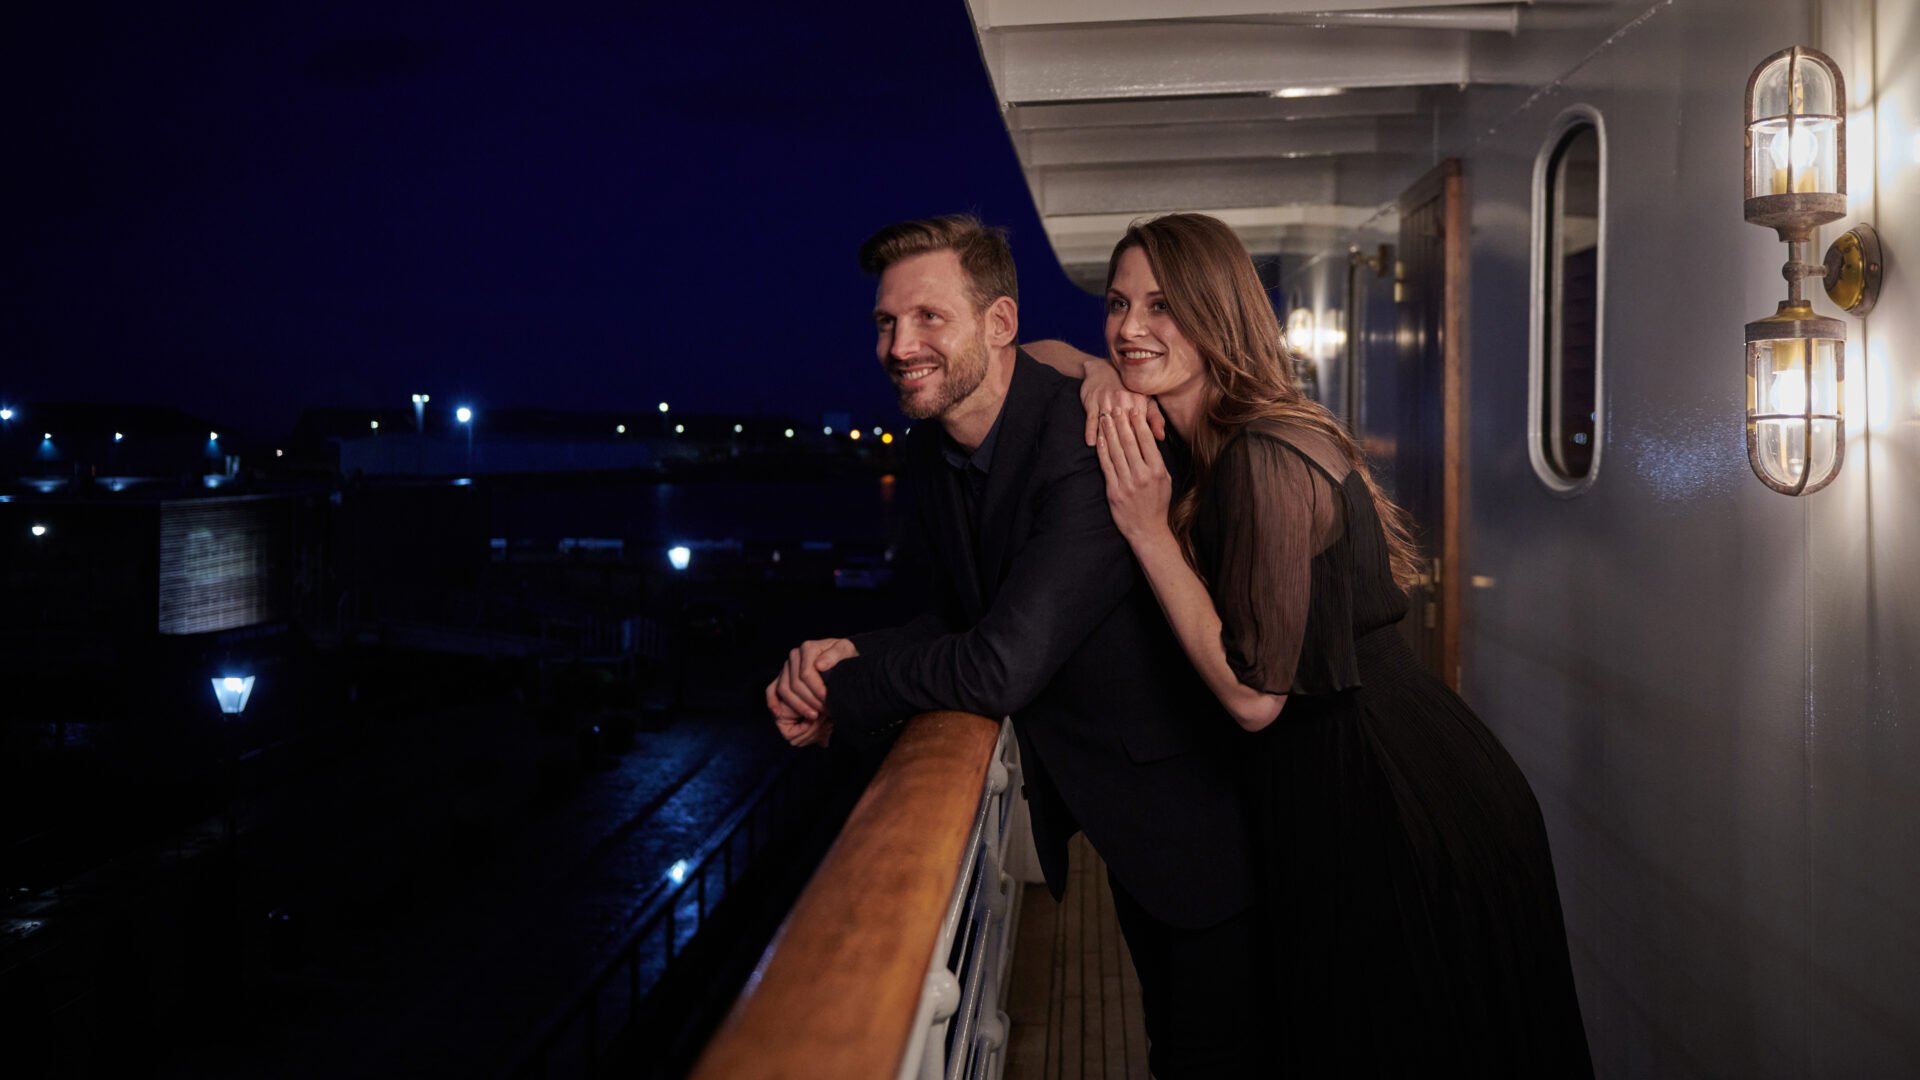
column 963, row 375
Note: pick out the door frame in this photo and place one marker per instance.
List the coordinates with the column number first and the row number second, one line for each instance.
column 1445, row 183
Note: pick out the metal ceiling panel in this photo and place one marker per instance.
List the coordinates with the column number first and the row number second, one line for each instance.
column 1129, row 61
column 999, row 13
column 1273, row 140
column 1398, row 101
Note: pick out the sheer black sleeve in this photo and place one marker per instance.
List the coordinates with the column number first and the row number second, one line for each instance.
column 1273, row 512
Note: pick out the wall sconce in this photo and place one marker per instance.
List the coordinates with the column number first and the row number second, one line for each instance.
column 1300, row 331
column 1796, row 181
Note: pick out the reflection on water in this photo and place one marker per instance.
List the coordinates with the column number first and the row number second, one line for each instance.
column 867, row 510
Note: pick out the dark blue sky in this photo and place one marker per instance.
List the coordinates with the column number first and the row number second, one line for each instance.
column 246, row 212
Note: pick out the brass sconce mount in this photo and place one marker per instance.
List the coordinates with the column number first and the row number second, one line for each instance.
column 1853, row 268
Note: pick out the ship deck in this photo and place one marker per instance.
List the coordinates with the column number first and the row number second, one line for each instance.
column 1073, row 997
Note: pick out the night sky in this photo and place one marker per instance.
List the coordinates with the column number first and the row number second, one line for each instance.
column 244, row 212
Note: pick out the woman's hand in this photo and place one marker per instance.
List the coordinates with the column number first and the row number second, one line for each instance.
column 1138, row 486
column 1102, row 393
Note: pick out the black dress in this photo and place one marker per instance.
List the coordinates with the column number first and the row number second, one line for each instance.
column 1406, row 875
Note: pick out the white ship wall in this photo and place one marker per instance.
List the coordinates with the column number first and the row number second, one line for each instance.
column 1711, row 687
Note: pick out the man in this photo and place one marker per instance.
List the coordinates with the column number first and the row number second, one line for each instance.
column 1041, row 614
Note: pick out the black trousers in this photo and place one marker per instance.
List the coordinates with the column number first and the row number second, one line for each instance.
column 1198, row 989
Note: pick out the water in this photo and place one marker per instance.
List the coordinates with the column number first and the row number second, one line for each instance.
column 867, row 510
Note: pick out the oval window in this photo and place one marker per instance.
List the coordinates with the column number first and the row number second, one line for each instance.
column 1564, row 428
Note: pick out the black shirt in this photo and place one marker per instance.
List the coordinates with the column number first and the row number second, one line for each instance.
column 973, row 469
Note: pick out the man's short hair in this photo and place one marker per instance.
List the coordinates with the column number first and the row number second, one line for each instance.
column 984, row 254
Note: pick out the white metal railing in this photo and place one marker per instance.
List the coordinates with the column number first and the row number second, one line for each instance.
column 960, row 1029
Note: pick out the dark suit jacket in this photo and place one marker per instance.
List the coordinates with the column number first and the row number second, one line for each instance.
column 1048, row 619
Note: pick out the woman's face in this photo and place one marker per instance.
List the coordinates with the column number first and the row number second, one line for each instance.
column 1154, row 358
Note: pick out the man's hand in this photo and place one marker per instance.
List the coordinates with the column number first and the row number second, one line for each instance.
column 798, row 696
column 796, row 729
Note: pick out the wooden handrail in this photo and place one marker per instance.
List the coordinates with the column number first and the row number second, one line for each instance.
column 836, row 993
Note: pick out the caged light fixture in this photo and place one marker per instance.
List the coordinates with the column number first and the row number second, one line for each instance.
column 1796, row 181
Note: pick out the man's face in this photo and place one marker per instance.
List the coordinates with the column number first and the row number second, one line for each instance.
column 930, row 340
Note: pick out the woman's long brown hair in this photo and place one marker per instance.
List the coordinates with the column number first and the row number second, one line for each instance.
column 1217, row 301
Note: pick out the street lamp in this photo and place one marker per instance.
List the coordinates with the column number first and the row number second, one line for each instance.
column 420, row 412
column 465, row 416
column 232, row 692
column 679, row 556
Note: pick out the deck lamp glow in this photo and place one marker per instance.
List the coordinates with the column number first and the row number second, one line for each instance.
column 232, row 691
column 1796, row 181
column 1300, row 331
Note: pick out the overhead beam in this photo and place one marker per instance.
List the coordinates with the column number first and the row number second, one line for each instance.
column 998, row 13
column 1175, row 60
column 1395, row 101
column 1272, row 139
column 1089, row 238
column 1204, row 185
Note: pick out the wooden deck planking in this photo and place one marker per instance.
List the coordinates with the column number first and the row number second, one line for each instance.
column 1074, row 1000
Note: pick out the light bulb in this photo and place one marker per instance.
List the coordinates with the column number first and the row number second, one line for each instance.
column 1789, row 392
column 1803, row 146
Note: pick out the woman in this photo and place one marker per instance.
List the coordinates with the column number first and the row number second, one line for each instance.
column 1409, row 888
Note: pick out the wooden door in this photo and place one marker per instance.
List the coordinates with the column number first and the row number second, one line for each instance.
column 1430, row 424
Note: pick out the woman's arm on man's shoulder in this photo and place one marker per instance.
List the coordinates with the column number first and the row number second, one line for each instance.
column 1101, row 390
column 1060, row 356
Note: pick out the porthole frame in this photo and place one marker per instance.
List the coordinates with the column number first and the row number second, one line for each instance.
column 1540, row 305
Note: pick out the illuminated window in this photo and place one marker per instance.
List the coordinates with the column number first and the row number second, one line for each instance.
column 1565, row 425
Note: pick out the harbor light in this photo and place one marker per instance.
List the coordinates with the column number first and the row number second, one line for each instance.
column 374, row 425
column 279, row 453
column 6, row 414
column 828, row 430
column 887, row 439
column 232, row 692
column 39, row 530
column 212, row 436
column 876, row 433
column 679, row 429
column 117, row 436
column 421, row 399
column 738, row 428
column 854, row 435
column 663, row 406
column 619, row 429
column 677, row 873
column 789, row 433
column 680, row 556
column 463, row 414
